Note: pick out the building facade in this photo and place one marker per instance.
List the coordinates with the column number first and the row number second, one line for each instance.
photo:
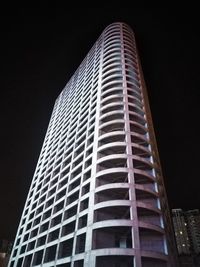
column 5, row 250
column 97, row 197
column 187, row 230
column 181, row 232
column 193, row 224
column 187, row 234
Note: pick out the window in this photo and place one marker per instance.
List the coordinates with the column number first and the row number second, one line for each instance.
column 41, row 241
column 44, row 227
column 37, row 257
column 53, row 235
column 68, row 228
column 80, row 243
column 65, row 248
column 56, row 220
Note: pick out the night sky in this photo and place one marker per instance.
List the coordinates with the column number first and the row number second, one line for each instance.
column 40, row 50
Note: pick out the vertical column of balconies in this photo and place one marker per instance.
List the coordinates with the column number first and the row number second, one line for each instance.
column 127, row 214
column 112, row 226
column 152, row 239
column 166, row 220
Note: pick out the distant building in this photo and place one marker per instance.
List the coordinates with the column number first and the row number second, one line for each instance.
column 181, row 232
column 5, row 251
column 187, row 234
column 193, row 226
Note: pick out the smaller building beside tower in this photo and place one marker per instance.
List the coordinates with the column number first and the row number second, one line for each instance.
column 187, row 234
column 181, row 232
column 5, row 251
column 193, row 225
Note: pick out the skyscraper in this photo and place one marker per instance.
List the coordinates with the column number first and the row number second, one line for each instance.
column 193, row 224
column 187, row 230
column 187, row 233
column 181, row 232
column 97, row 197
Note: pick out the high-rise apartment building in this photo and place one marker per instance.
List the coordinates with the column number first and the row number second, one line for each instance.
column 181, row 232
column 187, row 230
column 193, row 224
column 97, row 197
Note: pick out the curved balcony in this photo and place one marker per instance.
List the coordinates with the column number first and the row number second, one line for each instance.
column 111, row 116
column 129, row 51
column 132, row 73
column 111, row 186
column 112, row 107
column 110, row 39
column 139, row 139
column 112, row 27
column 114, row 70
column 111, row 45
column 135, row 93
column 147, row 197
column 140, row 151
column 112, row 51
column 136, row 109
column 111, row 126
column 146, row 191
column 133, row 85
column 115, row 148
column 135, row 101
column 137, row 128
column 146, row 215
column 112, row 84
column 114, row 257
column 141, row 163
column 112, row 213
column 111, row 192
column 112, row 99
column 112, row 203
column 111, row 176
column 144, row 178
column 111, row 66
column 109, row 32
column 112, row 78
column 147, row 206
column 151, row 239
column 118, row 136
column 130, row 48
column 131, row 61
column 137, row 118
column 112, row 59
column 112, row 223
column 112, row 234
column 150, row 226
column 131, row 65
column 112, row 161
column 129, row 39
column 111, row 91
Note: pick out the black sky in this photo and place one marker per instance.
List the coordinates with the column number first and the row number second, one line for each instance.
column 40, row 50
